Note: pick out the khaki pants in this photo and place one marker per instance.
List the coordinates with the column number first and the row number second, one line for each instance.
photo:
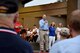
column 44, row 40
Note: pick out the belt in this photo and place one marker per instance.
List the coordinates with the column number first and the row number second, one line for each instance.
column 44, row 30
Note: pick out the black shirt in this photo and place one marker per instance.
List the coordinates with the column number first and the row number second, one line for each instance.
column 10, row 42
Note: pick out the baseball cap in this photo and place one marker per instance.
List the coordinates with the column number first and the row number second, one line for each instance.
column 8, row 6
column 65, row 32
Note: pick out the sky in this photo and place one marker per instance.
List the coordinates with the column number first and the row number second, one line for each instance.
column 39, row 2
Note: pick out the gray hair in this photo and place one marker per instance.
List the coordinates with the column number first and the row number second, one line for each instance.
column 5, row 16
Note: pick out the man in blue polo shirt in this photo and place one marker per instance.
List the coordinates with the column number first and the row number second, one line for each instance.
column 44, row 36
column 10, row 41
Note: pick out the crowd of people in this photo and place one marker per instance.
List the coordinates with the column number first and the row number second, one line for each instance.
column 71, row 45
column 52, row 38
column 30, row 35
column 51, row 34
column 46, row 34
column 26, row 33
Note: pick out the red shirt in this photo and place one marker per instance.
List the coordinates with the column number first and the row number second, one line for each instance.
column 17, row 26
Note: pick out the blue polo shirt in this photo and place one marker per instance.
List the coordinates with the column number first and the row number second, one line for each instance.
column 52, row 31
column 43, row 25
column 10, row 42
column 71, row 45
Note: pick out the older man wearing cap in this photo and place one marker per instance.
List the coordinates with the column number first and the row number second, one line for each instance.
column 10, row 42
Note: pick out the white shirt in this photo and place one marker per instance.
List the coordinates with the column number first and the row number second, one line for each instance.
column 29, row 33
column 58, row 29
column 37, row 30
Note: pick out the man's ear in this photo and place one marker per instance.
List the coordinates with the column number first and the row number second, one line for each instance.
column 16, row 17
column 70, row 30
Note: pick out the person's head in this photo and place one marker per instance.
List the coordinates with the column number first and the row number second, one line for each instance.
column 44, row 16
column 65, row 33
column 53, row 24
column 34, row 26
column 23, row 31
column 8, row 12
column 60, row 25
column 74, row 23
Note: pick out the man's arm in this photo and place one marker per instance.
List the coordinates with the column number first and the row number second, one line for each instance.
column 41, row 24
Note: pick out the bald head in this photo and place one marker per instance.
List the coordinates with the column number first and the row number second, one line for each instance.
column 76, row 14
column 74, row 20
column 44, row 16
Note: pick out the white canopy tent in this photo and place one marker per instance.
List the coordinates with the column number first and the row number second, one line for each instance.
column 39, row 2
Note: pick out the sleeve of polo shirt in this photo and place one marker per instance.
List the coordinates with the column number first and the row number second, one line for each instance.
column 55, row 49
column 41, row 24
